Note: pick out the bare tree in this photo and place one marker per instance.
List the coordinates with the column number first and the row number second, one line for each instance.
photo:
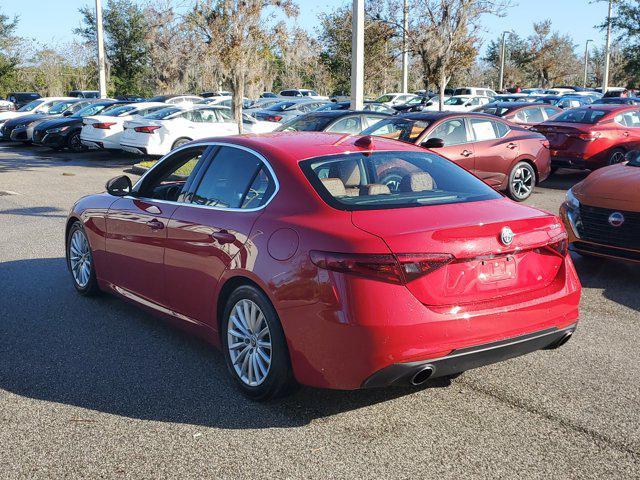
column 236, row 31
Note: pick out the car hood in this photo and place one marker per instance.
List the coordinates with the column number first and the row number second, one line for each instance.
column 23, row 119
column 60, row 122
column 617, row 186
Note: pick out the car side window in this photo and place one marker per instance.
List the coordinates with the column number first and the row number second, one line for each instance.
column 208, row 116
column 370, row 120
column 168, row 180
column 550, row 111
column 346, row 125
column 629, row 119
column 452, row 132
column 484, row 129
column 233, row 180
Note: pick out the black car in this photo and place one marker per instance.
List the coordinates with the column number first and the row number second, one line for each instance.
column 369, row 105
column 564, row 101
column 20, row 99
column 59, row 133
column 339, row 121
column 84, row 94
column 20, row 129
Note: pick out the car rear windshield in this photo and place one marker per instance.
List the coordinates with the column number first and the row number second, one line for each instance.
column 494, row 110
column 306, row 123
column 163, row 113
column 120, row 111
column 404, row 129
column 279, row 107
column 384, row 180
column 580, row 115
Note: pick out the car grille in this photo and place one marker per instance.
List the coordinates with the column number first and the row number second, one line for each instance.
column 595, row 227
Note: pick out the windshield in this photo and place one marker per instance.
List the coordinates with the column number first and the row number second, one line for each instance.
column 306, row 123
column 393, row 180
column 493, row 109
column 404, row 129
column 164, row 113
column 31, row 105
column 60, row 107
column 121, row 111
column 580, row 115
column 384, row 99
column 280, row 106
column 91, row 109
column 456, row 101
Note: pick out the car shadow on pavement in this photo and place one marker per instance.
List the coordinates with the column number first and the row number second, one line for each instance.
column 564, row 179
column 47, row 212
column 27, row 157
column 612, row 276
column 105, row 355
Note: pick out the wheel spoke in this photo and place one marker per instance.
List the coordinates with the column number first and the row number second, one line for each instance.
column 241, row 327
column 264, row 356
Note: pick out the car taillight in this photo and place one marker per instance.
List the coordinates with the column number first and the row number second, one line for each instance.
column 273, row 118
column 589, row 136
column 400, row 268
column 146, row 129
column 104, row 125
column 559, row 245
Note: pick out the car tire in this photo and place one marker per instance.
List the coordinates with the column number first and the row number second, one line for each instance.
column 74, row 144
column 257, row 361
column 521, row 182
column 179, row 142
column 83, row 272
column 616, row 156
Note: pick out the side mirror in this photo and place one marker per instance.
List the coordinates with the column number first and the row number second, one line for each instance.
column 433, row 143
column 119, row 186
column 632, row 156
column 66, row 113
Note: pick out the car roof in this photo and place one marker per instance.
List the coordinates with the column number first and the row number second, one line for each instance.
column 344, row 113
column 514, row 105
column 293, row 147
column 433, row 115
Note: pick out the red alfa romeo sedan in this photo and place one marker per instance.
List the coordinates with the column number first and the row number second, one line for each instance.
column 290, row 253
column 506, row 156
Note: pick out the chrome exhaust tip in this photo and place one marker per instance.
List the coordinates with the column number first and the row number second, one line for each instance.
column 561, row 341
column 422, row 375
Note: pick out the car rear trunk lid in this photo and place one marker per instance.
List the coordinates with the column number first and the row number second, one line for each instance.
column 484, row 268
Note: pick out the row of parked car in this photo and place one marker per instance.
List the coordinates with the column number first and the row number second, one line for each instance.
column 512, row 144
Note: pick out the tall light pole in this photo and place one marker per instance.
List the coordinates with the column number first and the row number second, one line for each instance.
column 503, row 51
column 102, row 76
column 357, row 55
column 586, row 61
column 405, row 53
column 607, row 51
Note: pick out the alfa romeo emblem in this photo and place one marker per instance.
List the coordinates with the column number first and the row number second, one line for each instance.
column 616, row 219
column 506, row 235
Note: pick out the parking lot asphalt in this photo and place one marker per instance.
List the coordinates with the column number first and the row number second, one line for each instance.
column 96, row 388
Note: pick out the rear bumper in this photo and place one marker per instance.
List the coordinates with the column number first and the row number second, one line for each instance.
column 468, row 358
column 133, row 149
column 569, row 162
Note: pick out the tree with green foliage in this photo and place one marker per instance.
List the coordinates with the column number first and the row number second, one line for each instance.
column 8, row 46
column 126, row 48
column 626, row 23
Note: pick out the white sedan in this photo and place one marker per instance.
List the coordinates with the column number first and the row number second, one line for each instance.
column 162, row 131
column 41, row 105
column 104, row 131
column 460, row 103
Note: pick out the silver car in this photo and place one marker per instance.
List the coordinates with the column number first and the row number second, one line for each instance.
column 284, row 111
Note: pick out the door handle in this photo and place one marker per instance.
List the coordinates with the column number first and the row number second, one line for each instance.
column 626, row 134
column 155, row 224
column 223, row 237
column 466, row 153
column 512, row 145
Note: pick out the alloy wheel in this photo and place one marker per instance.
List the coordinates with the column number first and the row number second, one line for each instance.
column 249, row 342
column 80, row 258
column 523, row 182
column 616, row 157
column 75, row 144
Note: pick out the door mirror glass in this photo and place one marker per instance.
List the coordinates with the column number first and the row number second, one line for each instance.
column 119, row 186
column 433, row 143
column 67, row 113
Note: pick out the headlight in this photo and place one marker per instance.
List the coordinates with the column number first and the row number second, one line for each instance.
column 572, row 202
column 58, row 130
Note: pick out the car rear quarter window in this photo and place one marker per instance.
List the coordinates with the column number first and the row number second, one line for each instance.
column 235, row 178
column 388, row 180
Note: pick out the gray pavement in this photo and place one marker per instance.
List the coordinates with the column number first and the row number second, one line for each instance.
column 96, row 388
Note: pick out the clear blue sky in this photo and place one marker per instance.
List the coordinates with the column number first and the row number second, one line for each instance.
column 54, row 20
